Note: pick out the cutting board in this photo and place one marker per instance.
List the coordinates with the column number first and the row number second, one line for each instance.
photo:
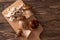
column 14, row 25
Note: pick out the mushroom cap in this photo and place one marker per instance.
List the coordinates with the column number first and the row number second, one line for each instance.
column 26, row 7
column 33, row 24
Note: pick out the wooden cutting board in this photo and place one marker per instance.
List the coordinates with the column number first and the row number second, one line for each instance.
column 14, row 25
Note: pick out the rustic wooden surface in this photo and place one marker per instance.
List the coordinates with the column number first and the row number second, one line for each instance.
column 48, row 12
column 6, row 0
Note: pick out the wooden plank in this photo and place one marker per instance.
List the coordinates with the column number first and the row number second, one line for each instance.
column 7, row 0
column 4, row 12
